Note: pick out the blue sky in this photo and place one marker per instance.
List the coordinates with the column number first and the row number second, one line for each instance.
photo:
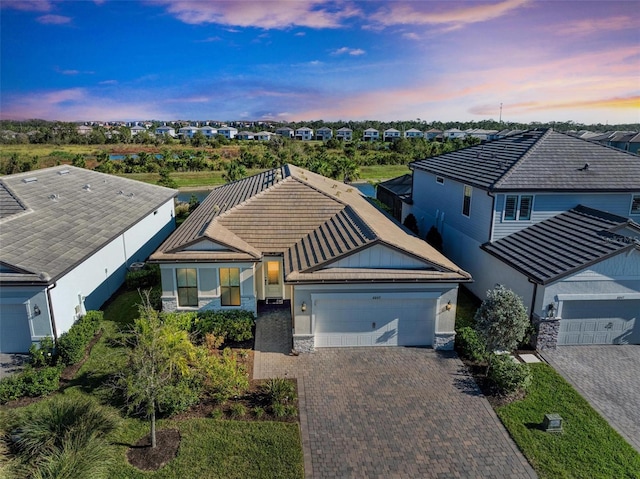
column 298, row 60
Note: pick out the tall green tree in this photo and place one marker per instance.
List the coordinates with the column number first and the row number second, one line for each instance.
column 233, row 171
column 159, row 357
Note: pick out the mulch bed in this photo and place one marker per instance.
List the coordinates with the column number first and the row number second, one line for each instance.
column 147, row 458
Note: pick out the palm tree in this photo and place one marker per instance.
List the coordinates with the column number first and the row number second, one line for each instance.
column 234, row 170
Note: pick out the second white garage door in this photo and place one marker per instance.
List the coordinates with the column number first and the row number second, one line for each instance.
column 600, row 322
column 379, row 319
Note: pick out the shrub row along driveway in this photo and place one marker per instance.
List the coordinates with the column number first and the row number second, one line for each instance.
column 609, row 378
column 392, row 412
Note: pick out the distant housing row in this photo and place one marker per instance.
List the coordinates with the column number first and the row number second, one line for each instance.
column 306, row 134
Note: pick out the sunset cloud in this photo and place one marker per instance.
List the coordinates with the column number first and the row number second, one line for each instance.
column 590, row 26
column 274, row 14
column 449, row 14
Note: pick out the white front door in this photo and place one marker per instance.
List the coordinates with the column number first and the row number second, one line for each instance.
column 273, row 279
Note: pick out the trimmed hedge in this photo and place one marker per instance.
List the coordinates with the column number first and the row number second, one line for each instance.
column 509, row 376
column 146, row 277
column 73, row 343
column 233, row 325
column 30, row 382
column 469, row 345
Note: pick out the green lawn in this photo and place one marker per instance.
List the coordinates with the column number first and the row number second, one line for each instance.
column 589, row 448
column 209, row 448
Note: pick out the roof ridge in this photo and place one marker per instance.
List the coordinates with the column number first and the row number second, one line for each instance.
column 524, row 156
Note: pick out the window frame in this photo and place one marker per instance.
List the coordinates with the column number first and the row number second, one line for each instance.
column 517, row 208
column 187, row 290
column 635, row 201
column 466, row 200
column 227, row 290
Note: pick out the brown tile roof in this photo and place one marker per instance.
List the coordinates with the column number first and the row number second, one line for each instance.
column 309, row 219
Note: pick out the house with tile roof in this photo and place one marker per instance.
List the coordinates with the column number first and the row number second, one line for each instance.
column 67, row 238
column 549, row 215
column 324, row 133
column 304, row 133
column 391, row 134
column 352, row 276
column 370, row 134
column 285, row 131
column 413, row 133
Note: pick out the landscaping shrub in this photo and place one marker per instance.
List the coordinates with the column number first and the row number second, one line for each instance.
column 222, row 376
column 279, row 391
column 216, row 414
column 63, row 439
column 73, row 343
column 179, row 397
column 291, row 410
column 43, row 354
column 183, row 321
column 238, row 410
column 258, row 412
column 279, row 410
column 469, row 345
column 235, row 325
column 509, row 376
column 146, row 277
column 30, row 382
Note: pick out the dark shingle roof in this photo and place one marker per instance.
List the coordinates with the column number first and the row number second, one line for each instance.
column 539, row 160
column 71, row 213
column 565, row 243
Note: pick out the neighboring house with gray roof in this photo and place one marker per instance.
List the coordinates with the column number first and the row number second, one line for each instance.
column 352, row 276
column 67, row 237
column 396, row 195
column 493, row 202
column 344, row 133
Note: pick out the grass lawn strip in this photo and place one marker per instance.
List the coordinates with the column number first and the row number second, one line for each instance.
column 589, row 448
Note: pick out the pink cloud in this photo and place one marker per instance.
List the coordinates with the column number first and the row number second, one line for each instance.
column 592, row 26
column 276, row 14
column 422, row 13
column 27, row 5
column 53, row 19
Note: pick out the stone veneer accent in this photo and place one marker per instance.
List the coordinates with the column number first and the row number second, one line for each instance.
column 303, row 343
column 547, row 330
column 444, row 341
column 169, row 304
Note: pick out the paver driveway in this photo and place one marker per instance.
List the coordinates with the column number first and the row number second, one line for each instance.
column 393, row 412
column 609, row 378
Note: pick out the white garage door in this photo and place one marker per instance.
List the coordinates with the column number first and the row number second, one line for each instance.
column 600, row 322
column 379, row 319
column 15, row 336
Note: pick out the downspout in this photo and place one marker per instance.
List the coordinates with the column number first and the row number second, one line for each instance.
column 51, row 315
column 493, row 214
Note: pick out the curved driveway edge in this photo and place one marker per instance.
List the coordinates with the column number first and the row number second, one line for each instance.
column 608, row 377
column 393, row 412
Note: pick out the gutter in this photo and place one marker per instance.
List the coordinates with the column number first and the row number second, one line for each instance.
column 51, row 315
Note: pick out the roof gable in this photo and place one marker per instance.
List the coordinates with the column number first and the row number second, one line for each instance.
column 565, row 243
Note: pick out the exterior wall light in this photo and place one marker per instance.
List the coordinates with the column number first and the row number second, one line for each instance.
column 36, row 310
column 448, row 306
column 551, row 311
column 303, row 306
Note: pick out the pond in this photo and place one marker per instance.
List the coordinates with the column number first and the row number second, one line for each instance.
column 184, row 196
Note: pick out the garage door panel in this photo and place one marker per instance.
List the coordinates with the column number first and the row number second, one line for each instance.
column 352, row 321
column 600, row 322
column 15, row 335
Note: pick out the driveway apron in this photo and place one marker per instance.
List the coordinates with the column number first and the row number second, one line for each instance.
column 392, row 412
column 609, row 378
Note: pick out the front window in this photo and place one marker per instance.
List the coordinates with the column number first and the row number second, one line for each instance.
column 187, row 279
column 635, row 205
column 466, row 203
column 230, row 286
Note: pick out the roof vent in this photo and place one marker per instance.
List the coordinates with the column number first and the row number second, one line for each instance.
column 121, row 192
column 33, row 179
column 584, row 168
column 54, row 197
column 130, row 195
column 63, row 172
column 87, row 187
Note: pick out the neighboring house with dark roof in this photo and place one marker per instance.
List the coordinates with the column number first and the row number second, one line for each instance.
column 67, row 237
column 352, row 276
column 506, row 210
